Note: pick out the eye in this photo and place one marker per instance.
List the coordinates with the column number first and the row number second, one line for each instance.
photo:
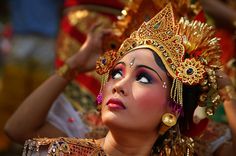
column 116, row 73
column 144, row 78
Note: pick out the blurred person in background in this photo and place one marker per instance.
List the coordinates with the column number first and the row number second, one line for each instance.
column 73, row 112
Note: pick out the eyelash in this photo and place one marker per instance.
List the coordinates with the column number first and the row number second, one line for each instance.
column 114, row 72
column 138, row 77
column 146, row 76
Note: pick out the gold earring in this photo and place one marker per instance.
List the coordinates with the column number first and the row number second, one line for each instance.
column 168, row 121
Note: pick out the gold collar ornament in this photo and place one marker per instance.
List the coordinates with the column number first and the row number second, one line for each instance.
column 189, row 51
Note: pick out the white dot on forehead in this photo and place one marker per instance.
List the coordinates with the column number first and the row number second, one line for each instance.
column 132, row 62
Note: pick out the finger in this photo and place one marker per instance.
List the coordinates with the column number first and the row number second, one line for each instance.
column 99, row 34
column 107, row 31
column 95, row 26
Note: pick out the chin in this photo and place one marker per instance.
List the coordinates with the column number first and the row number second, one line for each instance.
column 112, row 120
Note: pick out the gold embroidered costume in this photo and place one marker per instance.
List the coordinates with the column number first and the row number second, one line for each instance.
column 63, row 146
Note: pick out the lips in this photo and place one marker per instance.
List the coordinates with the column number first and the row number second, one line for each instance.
column 115, row 104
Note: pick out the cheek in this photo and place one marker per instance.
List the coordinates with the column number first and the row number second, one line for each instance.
column 106, row 90
column 150, row 99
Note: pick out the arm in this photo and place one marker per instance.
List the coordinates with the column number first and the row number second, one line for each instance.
column 219, row 10
column 29, row 119
column 230, row 110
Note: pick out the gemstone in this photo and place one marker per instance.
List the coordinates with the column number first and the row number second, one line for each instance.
column 155, row 44
column 157, row 25
column 104, row 61
column 189, row 71
column 149, row 42
column 161, row 48
column 165, row 54
column 173, row 66
column 169, row 32
column 134, row 44
column 169, row 60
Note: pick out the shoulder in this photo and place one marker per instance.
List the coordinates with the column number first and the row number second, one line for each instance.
column 62, row 146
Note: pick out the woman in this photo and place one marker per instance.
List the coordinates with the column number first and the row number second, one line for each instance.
column 142, row 98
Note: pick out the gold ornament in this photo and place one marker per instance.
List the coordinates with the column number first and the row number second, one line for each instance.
column 106, row 62
column 66, row 72
column 190, row 71
column 189, row 50
column 62, row 146
column 168, row 121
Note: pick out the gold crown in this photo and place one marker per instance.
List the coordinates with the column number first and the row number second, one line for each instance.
column 137, row 11
column 189, row 50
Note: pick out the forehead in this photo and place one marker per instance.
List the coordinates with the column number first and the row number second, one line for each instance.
column 144, row 57
column 140, row 55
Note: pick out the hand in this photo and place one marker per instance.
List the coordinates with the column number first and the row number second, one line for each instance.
column 85, row 59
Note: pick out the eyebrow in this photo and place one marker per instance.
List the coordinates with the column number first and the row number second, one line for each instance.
column 144, row 66
column 120, row 63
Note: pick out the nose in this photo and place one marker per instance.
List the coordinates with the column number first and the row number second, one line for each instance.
column 120, row 87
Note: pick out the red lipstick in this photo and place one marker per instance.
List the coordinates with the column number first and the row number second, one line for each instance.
column 115, row 104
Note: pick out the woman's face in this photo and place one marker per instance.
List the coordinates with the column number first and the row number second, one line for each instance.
column 135, row 96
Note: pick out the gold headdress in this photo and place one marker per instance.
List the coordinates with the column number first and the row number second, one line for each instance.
column 189, row 51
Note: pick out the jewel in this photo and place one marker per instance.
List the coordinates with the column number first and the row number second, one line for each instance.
column 149, row 42
column 99, row 99
column 157, row 25
column 173, row 67
column 161, row 48
column 104, row 61
column 190, row 71
column 71, row 120
column 165, row 54
column 134, row 44
column 169, row 60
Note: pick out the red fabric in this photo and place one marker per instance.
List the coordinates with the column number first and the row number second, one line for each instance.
column 227, row 44
column 200, row 17
column 196, row 129
column 72, row 31
column 89, row 82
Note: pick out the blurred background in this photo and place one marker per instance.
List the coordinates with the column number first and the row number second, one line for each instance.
column 5, row 110
column 28, row 31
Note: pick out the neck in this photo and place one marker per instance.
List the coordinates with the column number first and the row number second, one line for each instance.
column 128, row 143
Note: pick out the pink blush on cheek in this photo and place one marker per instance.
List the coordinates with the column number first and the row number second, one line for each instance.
column 150, row 101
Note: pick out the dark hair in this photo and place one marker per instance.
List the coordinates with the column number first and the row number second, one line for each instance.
column 159, row 61
column 191, row 96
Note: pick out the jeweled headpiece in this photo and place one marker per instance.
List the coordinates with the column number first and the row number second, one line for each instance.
column 189, row 51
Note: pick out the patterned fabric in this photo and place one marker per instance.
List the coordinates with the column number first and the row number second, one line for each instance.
column 63, row 116
column 205, row 145
column 62, row 147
